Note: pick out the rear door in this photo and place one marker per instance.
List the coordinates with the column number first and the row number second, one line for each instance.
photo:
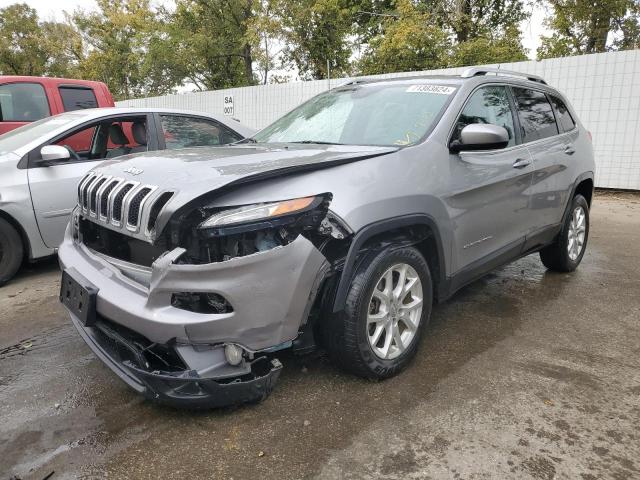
column 540, row 134
column 54, row 187
column 490, row 189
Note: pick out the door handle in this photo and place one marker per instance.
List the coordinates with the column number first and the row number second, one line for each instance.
column 569, row 150
column 521, row 163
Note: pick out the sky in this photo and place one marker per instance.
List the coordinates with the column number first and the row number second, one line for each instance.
column 532, row 29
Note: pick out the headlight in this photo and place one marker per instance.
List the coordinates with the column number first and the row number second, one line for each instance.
column 261, row 212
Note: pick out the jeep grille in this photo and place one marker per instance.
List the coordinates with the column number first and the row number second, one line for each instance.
column 120, row 203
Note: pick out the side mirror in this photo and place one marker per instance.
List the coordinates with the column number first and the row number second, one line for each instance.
column 50, row 153
column 481, row 136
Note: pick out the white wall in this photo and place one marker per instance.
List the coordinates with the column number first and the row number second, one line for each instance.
column 604, row 88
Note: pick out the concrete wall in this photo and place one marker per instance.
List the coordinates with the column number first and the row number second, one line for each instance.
column 604, row 88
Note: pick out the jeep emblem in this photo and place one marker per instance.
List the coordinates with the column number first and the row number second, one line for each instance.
column 134, row 171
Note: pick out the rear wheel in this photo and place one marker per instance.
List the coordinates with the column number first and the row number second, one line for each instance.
column 565, row 254
column 11, row 251
column 388, row 304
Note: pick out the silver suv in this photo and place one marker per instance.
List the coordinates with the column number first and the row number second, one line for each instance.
column 337, row 226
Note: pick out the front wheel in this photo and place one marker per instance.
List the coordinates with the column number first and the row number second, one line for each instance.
column 565, row 254
column 388, row 305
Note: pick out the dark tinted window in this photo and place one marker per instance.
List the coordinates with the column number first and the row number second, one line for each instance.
column 77, row 98
column 23, row 102
column 182, row 132
column 487, row 105
column 536, row 115
column 564, row 117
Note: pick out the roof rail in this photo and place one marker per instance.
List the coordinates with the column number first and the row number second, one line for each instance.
column 475, row 71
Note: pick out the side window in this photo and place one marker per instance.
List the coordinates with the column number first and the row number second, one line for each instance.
column 79, row 141
column 488, row 105
column 183, row 132
column 536, row 116
column 23, row 102
column 564, row 116
column 77, row 98
column 107, row 139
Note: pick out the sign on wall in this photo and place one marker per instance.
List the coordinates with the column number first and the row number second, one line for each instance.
column 228, row 105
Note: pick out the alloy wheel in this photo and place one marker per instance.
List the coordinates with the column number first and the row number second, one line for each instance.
column 395, row 310
column 577, row 232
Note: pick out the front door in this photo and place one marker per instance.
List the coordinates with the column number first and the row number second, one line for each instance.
column 490, row 189
column 54, row 187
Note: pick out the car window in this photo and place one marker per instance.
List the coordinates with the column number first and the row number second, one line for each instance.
column 564, row 116
column 79, row 142
column 107, row 139
column 535, row 113
column 77, row 98
column 23, row 102
column 181, row 132
column 488, row 105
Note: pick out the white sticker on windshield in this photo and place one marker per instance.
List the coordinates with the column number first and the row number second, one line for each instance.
column 426, row 88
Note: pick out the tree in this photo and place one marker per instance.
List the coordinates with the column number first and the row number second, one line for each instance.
column 122, row 41
column 316, row 32
column 21, row 52
column 64, row 47
column 212, row 42
column 431, row 34
column 409, row 41
column 585, row 26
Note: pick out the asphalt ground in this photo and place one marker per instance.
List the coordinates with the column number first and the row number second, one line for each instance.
column 523, row 374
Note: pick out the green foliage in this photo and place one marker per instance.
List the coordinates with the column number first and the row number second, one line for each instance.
column 21, row 52
column 431, row 34
column 410, row 41
column 483, row 50
column 212, row 42
column 585, row 26
column 121, row 39
column 316, row 32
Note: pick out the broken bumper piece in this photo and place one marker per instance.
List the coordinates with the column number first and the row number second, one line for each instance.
column 177, row 387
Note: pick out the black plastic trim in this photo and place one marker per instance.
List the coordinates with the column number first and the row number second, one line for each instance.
column 168, row 389
column 377, row 228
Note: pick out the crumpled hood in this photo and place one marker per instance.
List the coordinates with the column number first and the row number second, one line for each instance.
column 194, row 172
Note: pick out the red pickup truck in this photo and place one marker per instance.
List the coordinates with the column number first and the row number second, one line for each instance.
column 26, row 99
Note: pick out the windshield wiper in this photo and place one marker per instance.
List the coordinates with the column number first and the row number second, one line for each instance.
column 245, row 140
column 318, row 142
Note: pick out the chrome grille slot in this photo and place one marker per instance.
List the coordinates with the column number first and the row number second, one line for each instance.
column 156, row 207
column 94, row 193
column 84, row 191
column 104, row 199
column 133, row 213
column 118, row 200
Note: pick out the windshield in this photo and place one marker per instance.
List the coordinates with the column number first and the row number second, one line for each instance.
column 372, row 114
column 15, row 139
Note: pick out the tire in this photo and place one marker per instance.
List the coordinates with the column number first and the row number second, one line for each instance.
column 557, row 256
column 350, row 337
column 11, row 251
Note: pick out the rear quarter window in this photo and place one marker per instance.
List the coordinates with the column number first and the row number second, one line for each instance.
column 536, row 115
column 77, row 98
column 564, row 116
column 23, row 102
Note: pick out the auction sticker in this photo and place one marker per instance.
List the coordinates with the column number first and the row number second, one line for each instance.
column 427, row 88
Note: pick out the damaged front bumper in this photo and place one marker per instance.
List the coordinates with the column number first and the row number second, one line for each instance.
column 177, row 357
column 177, row 388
